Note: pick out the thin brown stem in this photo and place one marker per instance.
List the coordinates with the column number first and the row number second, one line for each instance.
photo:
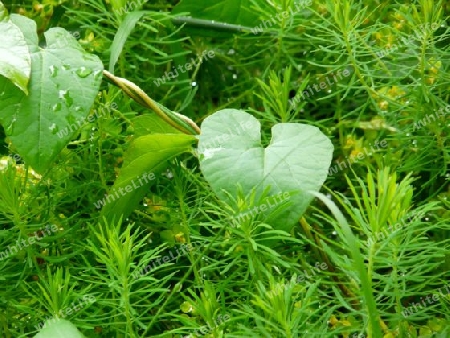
column 138, row 95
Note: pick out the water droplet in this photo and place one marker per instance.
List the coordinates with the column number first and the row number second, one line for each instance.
column 83, row 72
column 56, row 107
column 53, row 128
column 234, row 76
column 64, row 95
column 9, row 130
column 78, row 109
column 194, row 84
column 97, row 73
column 53, row 71
column 231, row 52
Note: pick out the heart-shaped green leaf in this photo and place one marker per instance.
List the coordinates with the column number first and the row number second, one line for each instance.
column 297, row 159
column 57, row 328
column 63, row 85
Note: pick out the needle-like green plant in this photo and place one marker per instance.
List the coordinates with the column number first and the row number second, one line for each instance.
column 367, row 258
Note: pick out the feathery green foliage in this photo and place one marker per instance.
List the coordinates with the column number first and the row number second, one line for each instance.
column 370, row 256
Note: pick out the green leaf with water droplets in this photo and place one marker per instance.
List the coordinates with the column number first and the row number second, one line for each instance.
column 64, row 83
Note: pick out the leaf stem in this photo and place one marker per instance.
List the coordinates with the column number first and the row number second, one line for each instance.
column 178, row 121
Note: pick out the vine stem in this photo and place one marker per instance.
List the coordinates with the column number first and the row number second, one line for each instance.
column 321, row 253
column 178, row 121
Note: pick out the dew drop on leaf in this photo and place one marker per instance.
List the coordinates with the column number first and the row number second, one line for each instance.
column 97, row 73
column 65, row 95
column 53, row 128
column 56, row 107
column 62, row 93
column 10, row 128
column 83, row 72
column 53, row 71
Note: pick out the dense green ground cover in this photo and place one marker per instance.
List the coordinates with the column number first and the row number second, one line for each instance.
column 371, row 260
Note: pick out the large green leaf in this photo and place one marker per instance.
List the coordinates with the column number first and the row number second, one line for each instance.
column 57, row 328
column 15, row 59
column 64, row 82
column 146, row 157
column 296, row 160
